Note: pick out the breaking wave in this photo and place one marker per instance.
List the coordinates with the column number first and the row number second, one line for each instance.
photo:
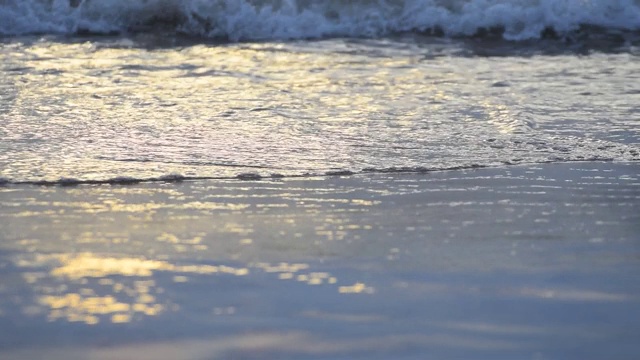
column 239, row 20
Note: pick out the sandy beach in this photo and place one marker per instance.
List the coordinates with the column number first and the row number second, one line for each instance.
column 326, row 180
column 520, row 262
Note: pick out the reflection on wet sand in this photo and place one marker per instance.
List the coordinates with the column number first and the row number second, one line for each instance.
column 118, row 277
column 131, row 287
column 496, row 262
column 274, row 345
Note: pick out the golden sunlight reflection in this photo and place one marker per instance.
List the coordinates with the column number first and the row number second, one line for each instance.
column 91, row 288
column 356, row 288
column 112, row 205
column 127, row 298
column 298, row 272
column 180, row 244
column 505, row 121
column 89, row 265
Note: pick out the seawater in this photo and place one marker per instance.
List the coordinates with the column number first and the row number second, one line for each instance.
column 293, row 19
column 534, row 256
column 142, row 90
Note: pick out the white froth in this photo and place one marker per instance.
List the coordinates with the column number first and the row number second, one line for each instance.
column 291, row 19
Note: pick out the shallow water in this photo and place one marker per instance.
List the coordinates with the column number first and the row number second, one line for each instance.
column 102, row 108
column 519, row 262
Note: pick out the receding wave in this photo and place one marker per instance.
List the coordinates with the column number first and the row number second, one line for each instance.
column 295, row 19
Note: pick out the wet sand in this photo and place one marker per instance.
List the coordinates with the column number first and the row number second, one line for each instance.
column 522, row 262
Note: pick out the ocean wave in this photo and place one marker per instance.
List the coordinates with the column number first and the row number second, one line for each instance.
column 240, row 20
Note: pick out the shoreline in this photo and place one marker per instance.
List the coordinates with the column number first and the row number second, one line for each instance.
column 254, row 176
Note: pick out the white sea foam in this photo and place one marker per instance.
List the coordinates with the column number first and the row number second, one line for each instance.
column 291, row 19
